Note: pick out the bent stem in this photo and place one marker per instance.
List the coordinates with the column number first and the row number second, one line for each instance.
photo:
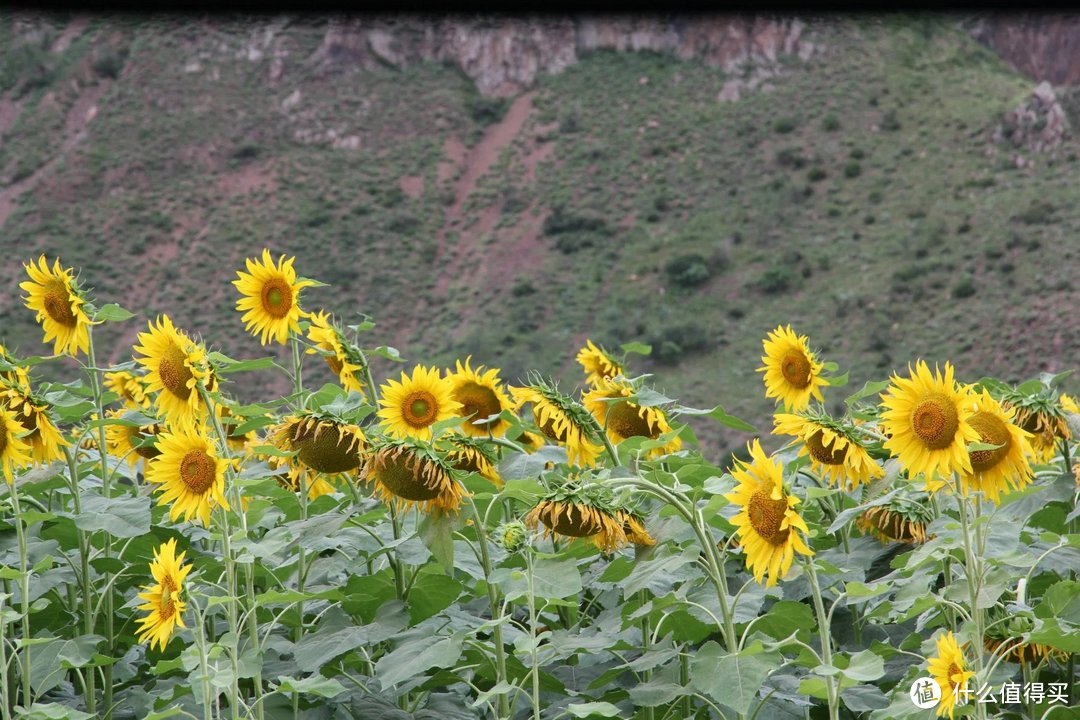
column 825, row 632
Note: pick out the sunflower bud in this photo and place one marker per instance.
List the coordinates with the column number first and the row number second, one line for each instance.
column 512, row 536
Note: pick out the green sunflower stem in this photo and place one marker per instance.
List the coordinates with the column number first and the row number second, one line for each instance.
column 96, row 383
column 84, row 569
column 646, row 642
column 24, row 594
column 972, row 574
column 825, row 632
column 493, row 605
column 297, row 371
column 5, row 689
column 533, row 654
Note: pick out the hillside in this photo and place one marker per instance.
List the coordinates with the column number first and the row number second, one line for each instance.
column 864, row 188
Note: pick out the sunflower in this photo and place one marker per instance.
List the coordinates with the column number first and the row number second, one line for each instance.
column 530, row 442
column 833, row 447
column 792, row 373
column 928, row 421
column 634, row 529
column 163, row 602
column 294, row 474
column 344, row 360
column 949, row 670
column 481, row 396
column 1003, row 631
column 598, row 363
column 175, row 365
column 561, row 419
column 231, row 422
column 576, row 510
column 767, row 521
column 32, row 413
column 190, row 474
column 1068, row 404
column 270, row 295
column 130, row 387
column 902, row 519
column 408, row 472
column 412, row 406
column 132, row 442
column 56, row 298
column 14, row 451
column 472, row 455
column 624, row 419
column 17, row 375
column 324, row 444
column 1041, row 414
column 1000, row 470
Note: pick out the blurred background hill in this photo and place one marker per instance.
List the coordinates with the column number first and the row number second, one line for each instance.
column 894, row 187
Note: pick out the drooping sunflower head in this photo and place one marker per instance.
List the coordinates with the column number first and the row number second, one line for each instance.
column 130, row 387
column 14, row 451
column 999, row 470
column 343, row 359
column 927, row 418
column 950, row 671
column 322, row 443
column 625, row 419
column 481, row 395
column 130, row 437
column 470, row 454
column 189, row 474
column 56, row 298
column 834, row 447
column 580, row 510
column 634, row 529
column 407, row 472
column 270, row 298
column 175, row 366
column 32, row 414
column 903, row 519
column 12, row 372
column 1007, row 633
column 767, row 523
column 561, row 419
column 598, row 363
column 1040, row 413
column 163, row 604
column 792, row 372
column 412, row 406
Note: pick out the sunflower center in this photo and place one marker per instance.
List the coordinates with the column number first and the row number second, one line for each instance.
column 766, row 516
column 402, row 474
column 3, row 435
column 174, row 372
column 573, row 520
column 795, row 367
column 477, row 402
column 419, row 409
column 58, row 304
column 935, row 421
column 277, row 297
column 325, row 450
column 335, row 365
column 146, row 450
column 954, row 670
column 548, row 428
column 992, row 431
column 469, row 461
column 626, row 421
column 198, row 471
column 825, row 456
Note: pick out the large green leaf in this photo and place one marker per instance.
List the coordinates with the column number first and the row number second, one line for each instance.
column 416, row 656
column 122, row 517
column 731, row 679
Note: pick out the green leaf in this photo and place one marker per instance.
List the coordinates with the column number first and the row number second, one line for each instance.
column 636, row 347
column 316, row 685
column 437, row 532
column 416, row 656
column 1061, row 601
column 52, row 711
column 431, row 593
column 717, row 413
column 121, row 517
column 837, row 380
column 586, row 710
column 865, row 666
column 556, row 578
column 390, row 353
column 979, row 446
column 112, row 313
column 733, row 680
column 868, row 389
column 225, row 364
column 786, row 617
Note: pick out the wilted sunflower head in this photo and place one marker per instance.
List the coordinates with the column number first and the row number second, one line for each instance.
column 792, row 372
column 322, row 443
column 834, row 447
column 32, row 413
column 344, row 359
column 622, row 418
column 175, row 366
column 598, row 363
column 270, row 297
column 903, row 519
column 576, row 508
column 132, row 436
column 634, row 529
column 1039, row 412
column 1007, row 633
column 407, row 472
column 471, row 455
column 55, row 295
column 412, row 406
column 561, row 419
column 130, row 387
column 481, row 395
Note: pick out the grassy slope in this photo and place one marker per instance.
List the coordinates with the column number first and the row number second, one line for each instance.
column 183, row 173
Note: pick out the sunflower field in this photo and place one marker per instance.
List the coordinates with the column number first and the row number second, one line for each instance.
column 450, row 543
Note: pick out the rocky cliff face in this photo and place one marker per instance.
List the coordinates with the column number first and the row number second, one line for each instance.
column 1045, row 47
column 503, row 56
